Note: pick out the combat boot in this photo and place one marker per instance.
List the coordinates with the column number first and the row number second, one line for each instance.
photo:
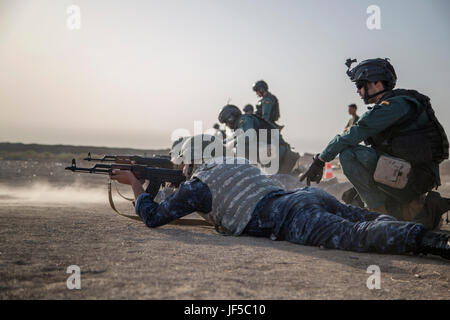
column 435, row 243
column 431, row 214
column 411, row 209
column 352, row 197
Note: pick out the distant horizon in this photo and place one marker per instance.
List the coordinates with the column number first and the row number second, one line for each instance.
column 117, row 146
column 135, row 71
column 82, row 145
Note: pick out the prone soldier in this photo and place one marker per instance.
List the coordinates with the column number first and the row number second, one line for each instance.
column 238, row 199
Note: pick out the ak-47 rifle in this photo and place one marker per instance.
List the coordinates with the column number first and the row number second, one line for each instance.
column 157, row 177
column 159, row 161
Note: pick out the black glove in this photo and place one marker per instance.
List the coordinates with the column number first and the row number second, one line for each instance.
column 314, row 172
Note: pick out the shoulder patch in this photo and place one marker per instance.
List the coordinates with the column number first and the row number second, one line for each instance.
column 385, row 102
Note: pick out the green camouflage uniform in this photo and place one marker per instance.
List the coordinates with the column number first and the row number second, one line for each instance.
column 359, row 162
column 268, row 108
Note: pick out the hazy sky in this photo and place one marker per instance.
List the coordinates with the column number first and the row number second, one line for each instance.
column 138, row 70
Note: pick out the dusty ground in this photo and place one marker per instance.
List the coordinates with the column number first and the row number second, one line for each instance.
column 123, row 259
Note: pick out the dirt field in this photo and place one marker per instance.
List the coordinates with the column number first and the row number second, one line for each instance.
column 48, row 224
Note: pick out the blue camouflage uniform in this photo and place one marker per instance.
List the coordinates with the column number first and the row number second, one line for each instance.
column 359, row 162
column 307, row 216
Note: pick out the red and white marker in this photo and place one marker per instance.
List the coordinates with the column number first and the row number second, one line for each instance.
column 328, row 174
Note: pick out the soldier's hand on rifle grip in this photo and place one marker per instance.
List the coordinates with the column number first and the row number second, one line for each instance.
column 314, row 172
column 123, row 176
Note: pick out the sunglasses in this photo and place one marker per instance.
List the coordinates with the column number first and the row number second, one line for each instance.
column 360, row 84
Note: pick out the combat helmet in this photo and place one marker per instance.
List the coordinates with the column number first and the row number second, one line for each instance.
column 260, row 86
column 229, row 115
column 372, row 70
column 248, row 109
column 175, row 150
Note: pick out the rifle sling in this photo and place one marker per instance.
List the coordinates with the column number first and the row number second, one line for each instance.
column 185, row 222
column 118, row 192
column 111, row 203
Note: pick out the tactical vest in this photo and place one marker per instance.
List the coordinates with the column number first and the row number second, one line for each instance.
column 276, row 110
column 419, row 145
column 275, row 114
column 236, row 190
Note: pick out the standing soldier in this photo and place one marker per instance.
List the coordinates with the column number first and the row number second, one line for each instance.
column 407, row 143
column 267, row 107
column 354, row 119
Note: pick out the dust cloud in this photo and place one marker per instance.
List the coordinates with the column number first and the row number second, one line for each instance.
column 47, row 193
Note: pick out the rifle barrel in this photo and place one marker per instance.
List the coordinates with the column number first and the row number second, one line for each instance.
column 101, row 168
column 160, row 161
column 105, row 158
column 89, row 170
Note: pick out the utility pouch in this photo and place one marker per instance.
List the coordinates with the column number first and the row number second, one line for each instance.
column 392, row 172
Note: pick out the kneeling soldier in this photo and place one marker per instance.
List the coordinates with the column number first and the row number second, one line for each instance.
column 244, row 125
column 406, row 144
